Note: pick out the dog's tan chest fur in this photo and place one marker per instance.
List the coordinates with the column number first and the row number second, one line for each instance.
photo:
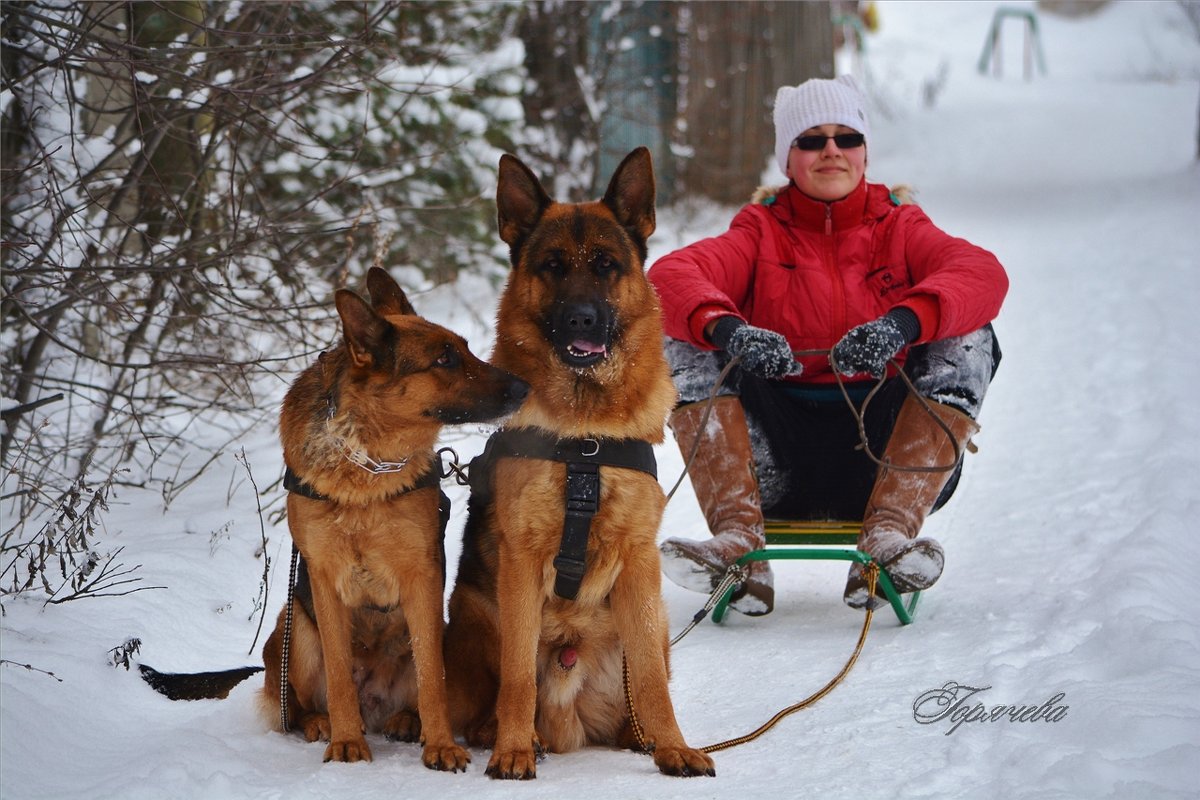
column 353, row 545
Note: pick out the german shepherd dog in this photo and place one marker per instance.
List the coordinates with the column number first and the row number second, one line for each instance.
column 358, row 430
column 528, row 669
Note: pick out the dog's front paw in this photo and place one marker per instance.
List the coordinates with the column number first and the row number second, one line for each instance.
column 314, row 726
column 686, row 762
column 403, row 726
column 513, row 765
column 348, row 750
column 446, row 757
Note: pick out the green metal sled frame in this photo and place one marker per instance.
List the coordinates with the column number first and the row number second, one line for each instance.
column 830, row 538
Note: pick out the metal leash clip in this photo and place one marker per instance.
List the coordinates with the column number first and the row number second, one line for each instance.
column 455, row 467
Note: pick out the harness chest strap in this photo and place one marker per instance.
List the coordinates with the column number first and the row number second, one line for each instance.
column 583, row 458
column 582, row 503
column 295, row 484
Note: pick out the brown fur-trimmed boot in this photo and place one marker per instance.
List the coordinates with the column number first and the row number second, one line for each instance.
column 901, row 500
column 725, row 484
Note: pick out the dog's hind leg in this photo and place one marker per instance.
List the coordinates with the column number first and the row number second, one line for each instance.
column 403, row 726
column 472, row 645
column 306, row 679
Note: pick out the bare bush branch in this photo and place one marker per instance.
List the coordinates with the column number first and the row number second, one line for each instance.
column 184, row 185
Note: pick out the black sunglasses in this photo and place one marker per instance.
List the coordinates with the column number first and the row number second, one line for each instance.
column 844, row 141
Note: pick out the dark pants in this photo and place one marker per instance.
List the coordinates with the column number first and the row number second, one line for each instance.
column 805, row 440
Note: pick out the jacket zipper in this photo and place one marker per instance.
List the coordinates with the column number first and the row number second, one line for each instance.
column 838, row 315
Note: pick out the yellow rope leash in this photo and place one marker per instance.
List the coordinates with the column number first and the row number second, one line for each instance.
column 872, row 572
column 871, row 568
column 634, row 722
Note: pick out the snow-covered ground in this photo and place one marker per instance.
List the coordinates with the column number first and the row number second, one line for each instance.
column 1071, row 543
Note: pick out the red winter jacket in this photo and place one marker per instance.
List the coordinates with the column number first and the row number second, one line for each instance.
column 813, row 270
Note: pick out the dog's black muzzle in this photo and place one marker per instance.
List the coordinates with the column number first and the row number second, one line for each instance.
column 497, row 394
column 581, row 332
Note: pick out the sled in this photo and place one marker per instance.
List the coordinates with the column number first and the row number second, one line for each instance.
column 820, row 540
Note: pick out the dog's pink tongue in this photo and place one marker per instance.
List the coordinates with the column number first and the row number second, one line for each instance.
column 587, row 347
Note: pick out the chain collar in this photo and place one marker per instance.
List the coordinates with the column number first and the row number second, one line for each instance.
column 360, row 458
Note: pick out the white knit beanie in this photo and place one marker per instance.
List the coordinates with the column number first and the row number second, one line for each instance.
column 817, row 102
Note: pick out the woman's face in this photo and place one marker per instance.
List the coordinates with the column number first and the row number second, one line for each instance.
column 830, row 173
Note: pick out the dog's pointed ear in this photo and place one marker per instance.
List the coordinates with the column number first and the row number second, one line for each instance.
column 364, row 329
column 520, row 200
column 386, row 295
column 630, row 193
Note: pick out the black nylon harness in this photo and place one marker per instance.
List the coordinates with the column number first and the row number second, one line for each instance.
column 583, row 458
column 296, row 485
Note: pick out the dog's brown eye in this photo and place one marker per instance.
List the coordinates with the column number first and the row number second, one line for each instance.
column 448, row 358
column 604, row 263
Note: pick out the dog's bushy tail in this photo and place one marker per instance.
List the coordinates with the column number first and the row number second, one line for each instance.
column 196, row 685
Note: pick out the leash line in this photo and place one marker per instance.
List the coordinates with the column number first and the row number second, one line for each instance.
column 638, row 734
column 731, row 576
column 734, row 574
column 872, row 570
column 712, row 396
column 287, row 642
column 858, row 412
column 860, row 415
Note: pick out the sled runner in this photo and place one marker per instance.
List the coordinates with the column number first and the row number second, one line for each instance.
column 819, row 540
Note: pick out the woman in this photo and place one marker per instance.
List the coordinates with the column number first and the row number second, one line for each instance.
column 827, row 262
